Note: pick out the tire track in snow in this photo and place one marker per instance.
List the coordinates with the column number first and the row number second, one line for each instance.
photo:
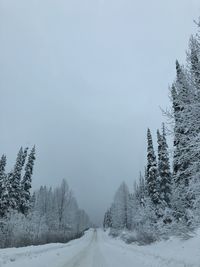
column 89, row 256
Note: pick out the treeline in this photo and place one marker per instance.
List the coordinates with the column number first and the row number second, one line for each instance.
column 166, row 199
column 32, row 218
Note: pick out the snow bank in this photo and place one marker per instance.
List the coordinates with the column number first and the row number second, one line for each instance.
column 42, row 255
column 174, row 251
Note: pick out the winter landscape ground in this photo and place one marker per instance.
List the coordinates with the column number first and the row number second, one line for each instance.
column 96, row 248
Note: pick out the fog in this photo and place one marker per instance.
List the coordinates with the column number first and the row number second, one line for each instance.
column 82, row 80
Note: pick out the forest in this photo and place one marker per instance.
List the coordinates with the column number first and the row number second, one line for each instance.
column 30, row 217
column 166, row 199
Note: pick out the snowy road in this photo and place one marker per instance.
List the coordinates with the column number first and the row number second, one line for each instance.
column 94, row 249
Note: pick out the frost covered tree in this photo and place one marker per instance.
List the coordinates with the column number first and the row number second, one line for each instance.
column 120, row 207
column 186, row 119
column 14, row 180
column 185, row 96
column 54, row 217
column 152, row 171
column 58, row 209
column 164, row 172
column 3, row 187
column 182, row 97
column 171, row 200
column 107, row 222
column 48, row 215
column 26, row 183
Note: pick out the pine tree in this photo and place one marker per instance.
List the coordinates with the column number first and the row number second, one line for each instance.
column 182, row 97
column 14, row 180
column 164, row 168
column 152, row 171
column 3, row 187
column 2, row 174
column 107, row 223
column 193, row 59
column 26, row 183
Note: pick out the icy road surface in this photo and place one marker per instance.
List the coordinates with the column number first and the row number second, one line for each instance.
column 97, row 249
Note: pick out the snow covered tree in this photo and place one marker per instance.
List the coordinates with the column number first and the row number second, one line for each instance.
column 193, row 60
column 107, row 222
column 58, row 210
column 3, row 187
column 2, row 174
column 182, row 97
column 152, row 171
column 164, row 168
column 14, row 180
column 26, row 183
column 140, row 189
column 63, row 198
column 120, row 207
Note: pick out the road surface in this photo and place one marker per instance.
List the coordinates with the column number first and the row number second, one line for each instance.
column 94, row 249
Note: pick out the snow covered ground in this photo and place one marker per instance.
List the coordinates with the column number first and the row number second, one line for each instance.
column 97, row 249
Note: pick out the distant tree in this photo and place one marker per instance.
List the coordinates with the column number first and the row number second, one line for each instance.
column 152, row 171
column 3, row 187
column 165, row 177
column 120, row 208
column 26, row 183
column 14, row 180
column 107, row 223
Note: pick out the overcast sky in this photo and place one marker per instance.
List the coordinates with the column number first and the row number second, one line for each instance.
column 83, row 79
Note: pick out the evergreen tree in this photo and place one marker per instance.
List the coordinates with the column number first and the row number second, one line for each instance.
column 14, row 180
column 107, row 223
column 193, row 116
column 26, row 183
column 193, row 59
column 182, row 97
column 3, row 187
column 152, row 171
column 164, row 168
column 2, row 174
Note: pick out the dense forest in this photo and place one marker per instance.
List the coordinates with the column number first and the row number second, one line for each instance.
column 166, row 199
column 36, row 217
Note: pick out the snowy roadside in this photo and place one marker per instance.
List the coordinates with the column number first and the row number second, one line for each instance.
column 174, row 250
column 42, row 255
column 99, row 249
column 187, row 251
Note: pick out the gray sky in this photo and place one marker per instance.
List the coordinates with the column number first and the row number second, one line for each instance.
column 83, row 79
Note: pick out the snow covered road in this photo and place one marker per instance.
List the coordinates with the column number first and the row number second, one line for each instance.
column 96, row 249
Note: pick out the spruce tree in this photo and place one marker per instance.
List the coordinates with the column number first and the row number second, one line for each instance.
column 14, row 180
column 26, row 183
column 182, row 97
column 152, row 171
column 2, row 173
column 107, row 223
column 3, row 187
column 193, row 59
column 164, row 168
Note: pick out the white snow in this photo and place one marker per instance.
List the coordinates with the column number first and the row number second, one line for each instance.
column 96, row 249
